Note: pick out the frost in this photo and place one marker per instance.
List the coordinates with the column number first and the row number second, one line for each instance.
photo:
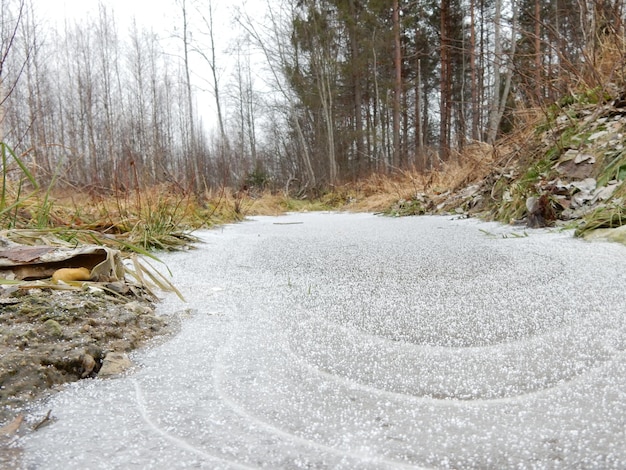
column 355, row 341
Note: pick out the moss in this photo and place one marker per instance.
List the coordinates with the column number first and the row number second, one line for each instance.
column 596, row 95
column 405, row 208
column 569, row 138
column 617, row 235
column 52, row 328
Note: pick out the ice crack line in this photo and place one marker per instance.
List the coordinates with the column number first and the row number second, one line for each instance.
column 355, row 385
column 218, row 380
column 141, row 406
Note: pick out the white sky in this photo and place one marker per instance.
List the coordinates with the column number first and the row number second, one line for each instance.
column 147, row 12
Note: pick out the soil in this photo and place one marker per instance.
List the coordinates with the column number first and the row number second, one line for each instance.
column 51, row 337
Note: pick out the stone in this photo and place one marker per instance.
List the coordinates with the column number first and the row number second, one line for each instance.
column 604, row 193
column 617, row 235
column 597, row 135
column 584, row 157
column 539, row 211
column 568, row 168
column 88, row 363
column 587, row 185
column 114, row 363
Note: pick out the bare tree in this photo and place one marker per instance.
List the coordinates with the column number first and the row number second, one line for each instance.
column 272, row 37
column 446, row 81
column 357, row 73
column 190, row 135
column 211, row 60
column 11, row 16
column 243, row 97
column 475, row 113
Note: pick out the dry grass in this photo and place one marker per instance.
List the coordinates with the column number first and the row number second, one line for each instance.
column 608, row 63
column 378, row 192
column 161, row 216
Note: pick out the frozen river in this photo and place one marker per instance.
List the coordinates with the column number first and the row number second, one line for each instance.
column 351, row 341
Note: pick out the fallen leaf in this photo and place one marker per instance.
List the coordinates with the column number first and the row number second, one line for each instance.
column 12, row 427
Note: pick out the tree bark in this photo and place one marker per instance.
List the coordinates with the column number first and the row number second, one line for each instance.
column 538, row 58
column 473, row 74
column 497, row 64
column 446, row 83
column 191, row 138
column 357, row 89
column 397, row 91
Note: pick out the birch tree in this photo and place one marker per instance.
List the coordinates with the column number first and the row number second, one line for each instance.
column 271, row 35
column 500, row 93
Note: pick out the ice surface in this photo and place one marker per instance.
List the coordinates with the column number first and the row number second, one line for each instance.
column 355, row 341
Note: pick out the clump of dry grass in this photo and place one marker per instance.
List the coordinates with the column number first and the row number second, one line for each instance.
column 378, row 193
column 158, row 217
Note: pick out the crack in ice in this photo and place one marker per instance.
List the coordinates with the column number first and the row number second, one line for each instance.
column 177, row 441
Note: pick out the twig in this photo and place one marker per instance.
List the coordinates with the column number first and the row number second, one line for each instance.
column 43, row 422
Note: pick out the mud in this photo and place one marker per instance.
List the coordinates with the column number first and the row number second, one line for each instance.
column 51, row 337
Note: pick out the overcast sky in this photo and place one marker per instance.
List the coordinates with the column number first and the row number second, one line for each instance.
column 148, row 12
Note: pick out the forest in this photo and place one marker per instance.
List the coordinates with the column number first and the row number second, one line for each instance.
column 119, row 139
column 350, row 88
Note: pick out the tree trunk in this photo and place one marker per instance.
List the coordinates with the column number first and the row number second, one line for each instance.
column 191, row 138
column 357, row 89
column 497, row 63
column 397, row 91
column 216, row 87
column 538, row 58
column 419, row 137
column 473, row 74
column 446, row 85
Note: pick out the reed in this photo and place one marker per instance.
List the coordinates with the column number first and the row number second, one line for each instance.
column 9, row 206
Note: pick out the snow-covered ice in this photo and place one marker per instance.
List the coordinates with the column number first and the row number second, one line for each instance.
column 327, row 340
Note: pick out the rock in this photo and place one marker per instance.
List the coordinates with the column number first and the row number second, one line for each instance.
column 575, row 165
column 118, row 287
column 114, row 363
column 531, row 202
column 607, row 234
column 88, row 364
column 604, row 193
column 586, row 185
column 580, row 199
column 584, row 157
column 469, row 191
column 540, row 211
column 6, row 291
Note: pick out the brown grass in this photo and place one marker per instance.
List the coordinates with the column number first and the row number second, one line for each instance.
column 149, row 216
column 378, row 192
